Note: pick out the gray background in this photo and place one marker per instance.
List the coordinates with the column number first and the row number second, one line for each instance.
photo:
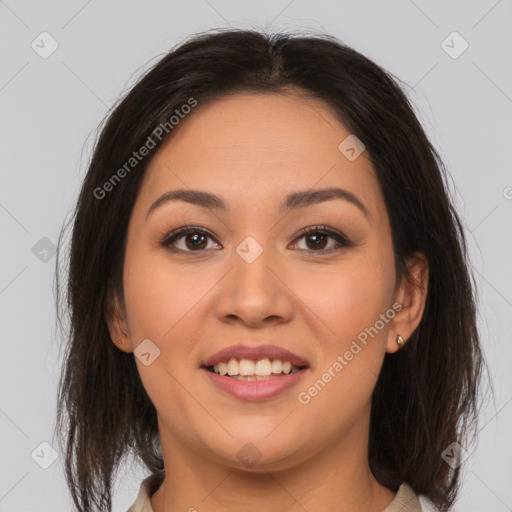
column 51, row 107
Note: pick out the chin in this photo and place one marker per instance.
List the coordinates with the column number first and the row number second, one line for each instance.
column 258, row 453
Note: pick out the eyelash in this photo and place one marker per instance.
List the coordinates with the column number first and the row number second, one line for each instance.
column 171, row 238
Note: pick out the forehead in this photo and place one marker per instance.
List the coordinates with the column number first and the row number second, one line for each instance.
column 257, row 147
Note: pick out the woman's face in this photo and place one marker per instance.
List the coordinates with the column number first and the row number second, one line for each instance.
column 246, row 275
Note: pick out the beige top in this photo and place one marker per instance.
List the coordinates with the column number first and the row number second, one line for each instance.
column 405, row 500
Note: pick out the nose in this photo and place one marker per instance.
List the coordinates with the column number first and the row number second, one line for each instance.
column 255, row 291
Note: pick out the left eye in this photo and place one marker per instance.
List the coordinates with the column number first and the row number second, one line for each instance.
column 195, row 239
column 319, row 236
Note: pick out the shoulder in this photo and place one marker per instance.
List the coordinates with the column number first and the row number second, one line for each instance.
column 427, row 505
column 406, row 500
column 147, row 488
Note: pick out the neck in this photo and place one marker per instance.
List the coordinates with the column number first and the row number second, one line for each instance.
column 336, row 478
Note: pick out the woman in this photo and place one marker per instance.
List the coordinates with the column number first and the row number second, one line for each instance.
column 269, row 294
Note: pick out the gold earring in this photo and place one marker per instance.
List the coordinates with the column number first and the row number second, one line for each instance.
column 400, row 340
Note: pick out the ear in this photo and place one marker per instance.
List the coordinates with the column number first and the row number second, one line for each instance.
column 411, row 294
column 115, row 316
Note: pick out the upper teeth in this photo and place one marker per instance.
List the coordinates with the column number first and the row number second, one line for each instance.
column 248, row 367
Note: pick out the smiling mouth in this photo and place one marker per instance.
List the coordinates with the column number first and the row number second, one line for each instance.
column 248, row 370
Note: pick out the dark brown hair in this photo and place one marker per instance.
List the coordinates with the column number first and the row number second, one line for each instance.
column 426, row 396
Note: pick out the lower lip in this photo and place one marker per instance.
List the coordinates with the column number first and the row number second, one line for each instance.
column 255, row 390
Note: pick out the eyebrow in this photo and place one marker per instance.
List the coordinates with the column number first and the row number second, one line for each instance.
column 295, row 200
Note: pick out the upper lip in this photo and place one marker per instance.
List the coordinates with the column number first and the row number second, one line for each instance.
column 255, row 353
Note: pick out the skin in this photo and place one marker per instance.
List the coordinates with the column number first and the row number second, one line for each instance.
column 253, row 149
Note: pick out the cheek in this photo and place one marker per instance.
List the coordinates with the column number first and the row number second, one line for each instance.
column 351, row 353
column 159, row 298
column 158, row 294
column 146, row 301
column 348, row 297
column 348, row 300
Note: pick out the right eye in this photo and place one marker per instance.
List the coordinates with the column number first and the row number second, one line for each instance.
column 194, row 239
